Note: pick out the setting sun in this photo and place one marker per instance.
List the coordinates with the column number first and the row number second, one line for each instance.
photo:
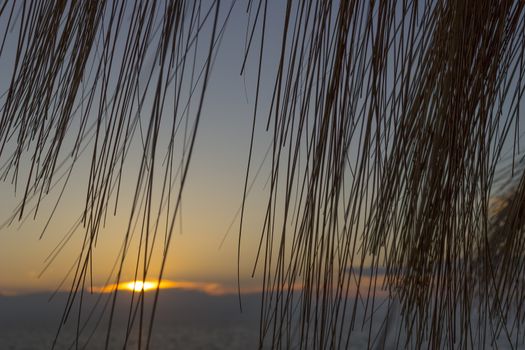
column 138, row 286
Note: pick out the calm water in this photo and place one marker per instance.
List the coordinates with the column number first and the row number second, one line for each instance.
column 229, row 337
column 180, row 337
column 186, row 320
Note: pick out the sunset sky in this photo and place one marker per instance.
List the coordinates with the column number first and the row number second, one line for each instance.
column 203, row 253
column 211, row 199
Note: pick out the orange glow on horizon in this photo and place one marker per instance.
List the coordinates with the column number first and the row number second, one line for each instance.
column 139, row 286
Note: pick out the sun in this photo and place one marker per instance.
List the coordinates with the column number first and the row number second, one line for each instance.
column 139, row 286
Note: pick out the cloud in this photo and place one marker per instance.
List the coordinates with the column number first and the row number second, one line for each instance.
column 366, row 271
column 368, row 280
column 372, row 279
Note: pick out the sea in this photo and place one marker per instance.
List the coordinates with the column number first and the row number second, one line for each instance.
column 184, row 320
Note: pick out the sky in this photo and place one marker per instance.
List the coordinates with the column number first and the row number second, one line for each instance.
column 211, row 198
